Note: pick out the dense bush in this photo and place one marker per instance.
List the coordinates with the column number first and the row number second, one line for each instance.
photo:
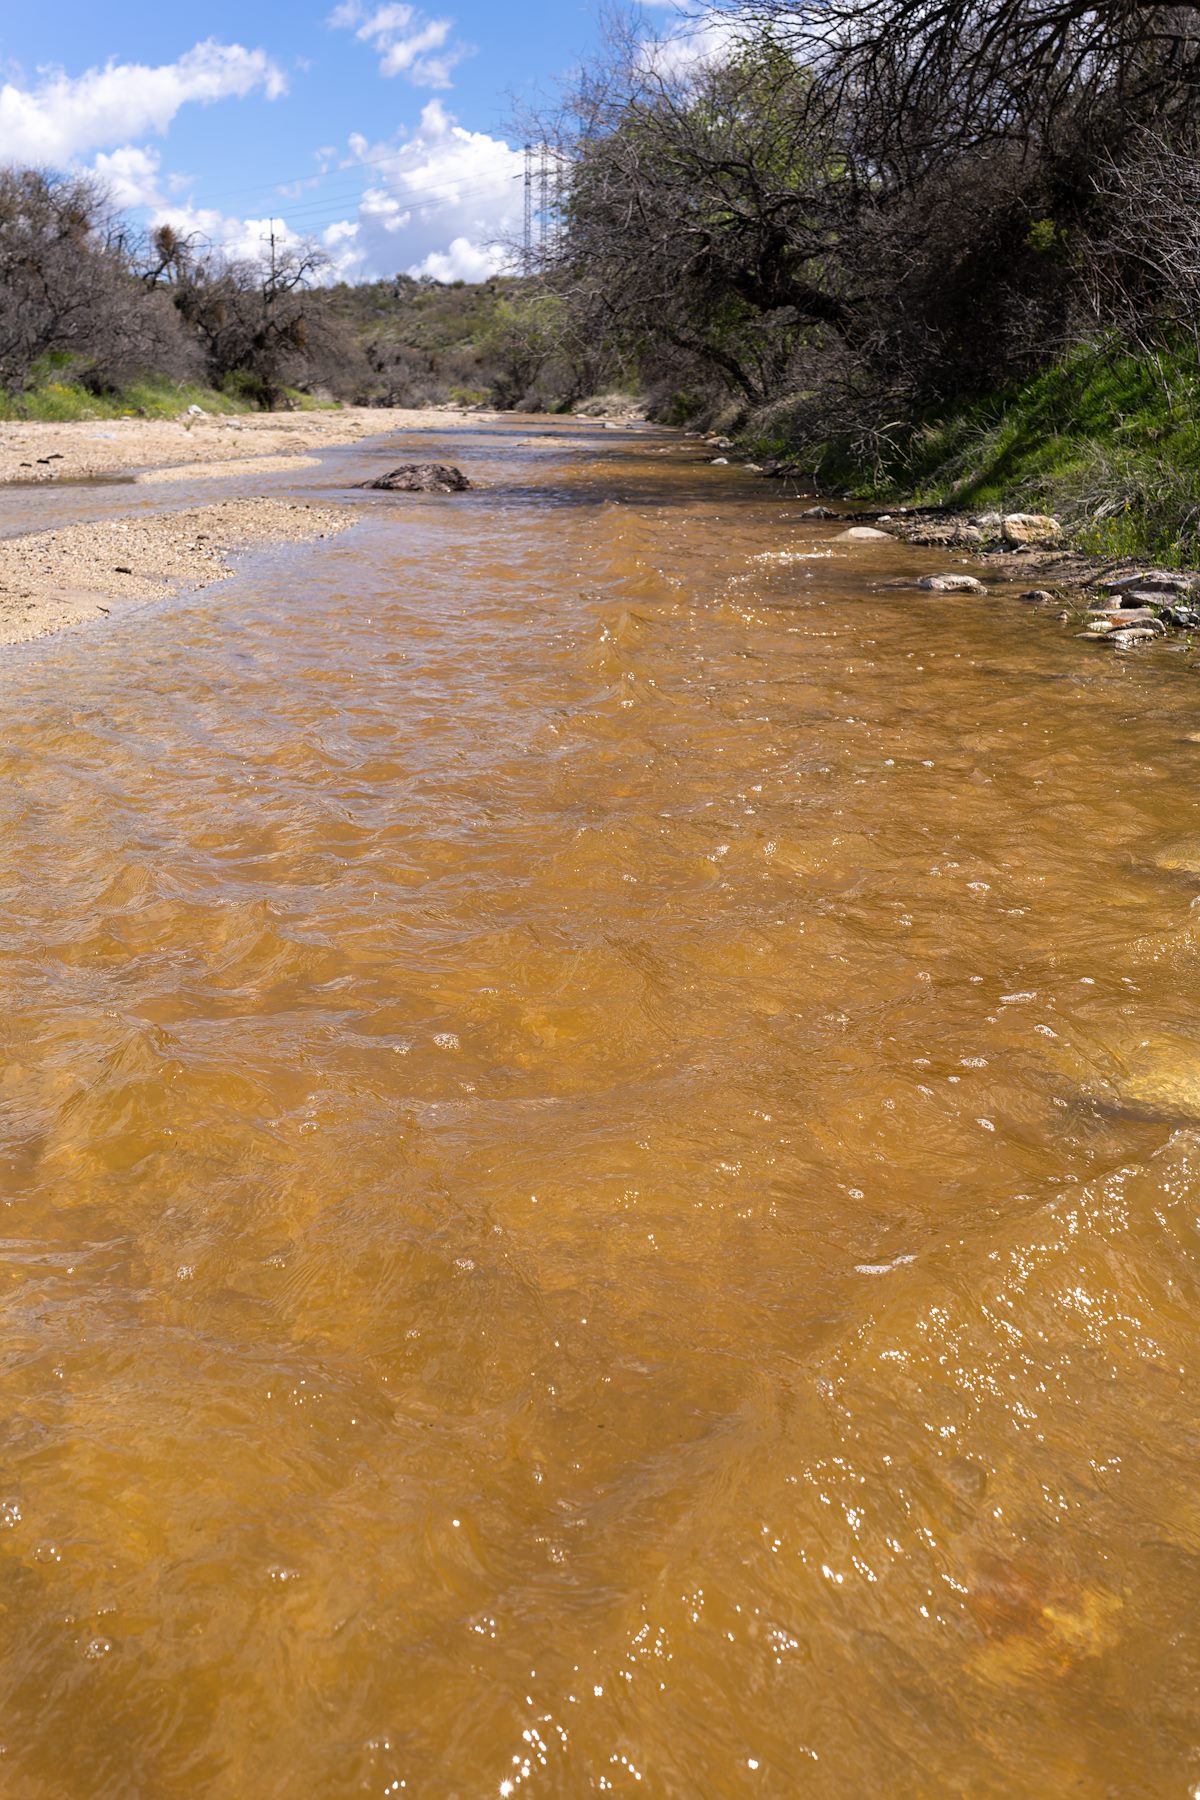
column 871, row 213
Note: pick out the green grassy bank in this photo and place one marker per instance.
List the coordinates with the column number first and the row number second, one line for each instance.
column 56, row 396
column 1108, row 439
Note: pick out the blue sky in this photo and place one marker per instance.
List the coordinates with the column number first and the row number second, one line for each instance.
column 383, row 130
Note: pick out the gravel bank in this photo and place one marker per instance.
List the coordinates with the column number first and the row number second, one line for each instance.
column 218, row 471
column 50, row 580
column 34, row 452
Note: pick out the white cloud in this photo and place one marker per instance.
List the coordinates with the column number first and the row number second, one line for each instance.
column 697, row 37
column 241, row 240
column 131, row 176
column 64, row 117
column 249, row 240
column 463, row 261
column 406, row 42
column 344, row 232
column 438, row 203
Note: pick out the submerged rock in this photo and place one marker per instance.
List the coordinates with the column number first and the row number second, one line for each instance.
column 818, row 512
column 1132, row 639
column 1125, row 630
column 1162, row 1077
column 1123, row 616
column 1132, row 598
column 1151, row 597
column 951, row 584
column 1182, row 856
column 862, row 534
column 421, row 478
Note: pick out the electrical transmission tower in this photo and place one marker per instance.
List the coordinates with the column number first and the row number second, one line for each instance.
column 544, row 227
column 545, row 193
column 560, row 195
column 527, row 260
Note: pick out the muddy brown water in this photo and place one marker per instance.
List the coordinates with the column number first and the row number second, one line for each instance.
column 583, row 1209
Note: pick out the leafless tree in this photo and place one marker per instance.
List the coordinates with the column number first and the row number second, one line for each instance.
column 702, row 213
column 66, row 288
column 928, row 78
column 1145, row 267
column 256, row 322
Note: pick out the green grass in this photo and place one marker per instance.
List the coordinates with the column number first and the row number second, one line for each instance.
column 1108, row 439
column 54, row 398
column 299, row 401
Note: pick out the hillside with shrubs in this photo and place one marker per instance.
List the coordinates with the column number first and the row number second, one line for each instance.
column 97, row 320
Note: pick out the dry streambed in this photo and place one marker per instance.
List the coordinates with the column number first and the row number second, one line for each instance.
column 222, row 471
column 36, row 452
column 53, row 579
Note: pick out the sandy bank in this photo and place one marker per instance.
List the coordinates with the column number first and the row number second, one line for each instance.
column 34, row 452
column 238, row 465
column 50, row 580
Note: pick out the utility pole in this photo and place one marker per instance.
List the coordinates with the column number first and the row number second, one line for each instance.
column 269, row 296
column 527, row 261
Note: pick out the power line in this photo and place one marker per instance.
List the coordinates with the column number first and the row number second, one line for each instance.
column 365, row 162
column 417, row 198
column 280, row 221
column 327, row 211
column 439, row 189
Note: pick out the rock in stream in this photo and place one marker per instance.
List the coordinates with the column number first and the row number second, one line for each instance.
column 421, row 478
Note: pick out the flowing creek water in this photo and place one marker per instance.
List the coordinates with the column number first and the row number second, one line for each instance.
column 599, row 1171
